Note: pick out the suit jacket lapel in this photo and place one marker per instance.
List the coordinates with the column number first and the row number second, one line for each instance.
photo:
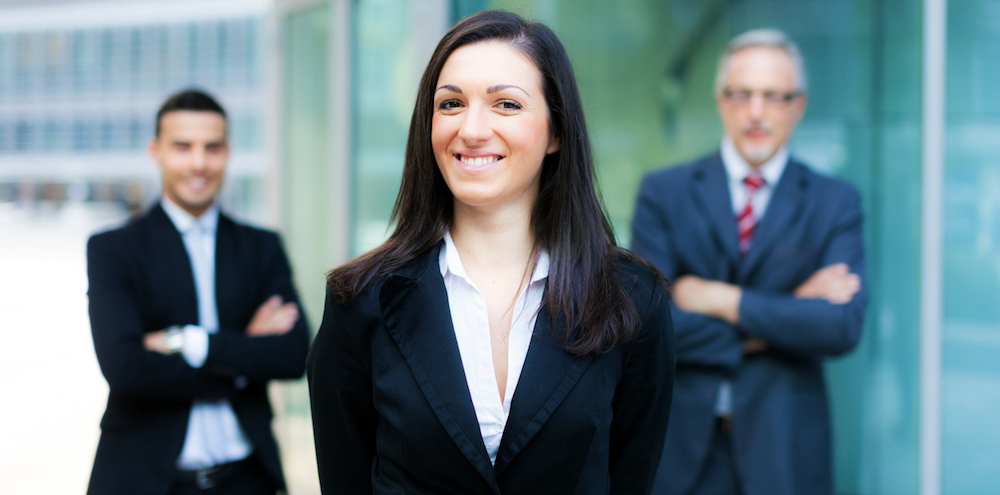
column 712, row 196
column 548, row 375
column 415, row 307
column 783, row 209
column 228, row 280
column 170, row 268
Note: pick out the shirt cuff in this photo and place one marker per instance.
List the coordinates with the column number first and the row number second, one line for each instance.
column 195, row 345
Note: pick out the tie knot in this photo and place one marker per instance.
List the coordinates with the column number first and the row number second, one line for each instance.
column 754, row 182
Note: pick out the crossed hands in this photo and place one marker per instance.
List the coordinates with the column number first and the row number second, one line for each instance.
column 834, row 283
column 273, row 317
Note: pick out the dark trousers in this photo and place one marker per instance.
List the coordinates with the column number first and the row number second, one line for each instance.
column 718, row 475
column 246, row 477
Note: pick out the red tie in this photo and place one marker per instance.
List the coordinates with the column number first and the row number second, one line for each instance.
column 747, row 221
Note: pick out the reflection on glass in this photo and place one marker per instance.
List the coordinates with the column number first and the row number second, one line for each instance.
column 971, row 327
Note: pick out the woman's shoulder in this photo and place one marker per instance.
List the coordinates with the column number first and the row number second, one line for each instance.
column 638, row 276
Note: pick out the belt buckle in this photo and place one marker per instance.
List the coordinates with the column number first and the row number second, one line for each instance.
column 204, row 478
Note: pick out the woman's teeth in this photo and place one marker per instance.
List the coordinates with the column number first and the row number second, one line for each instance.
column 479, row 161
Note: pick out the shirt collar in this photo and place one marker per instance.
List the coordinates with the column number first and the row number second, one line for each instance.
column 450, row 261
column 738, row 169
column 184, row 221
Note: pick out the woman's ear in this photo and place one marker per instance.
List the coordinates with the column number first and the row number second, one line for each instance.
column 553, row 145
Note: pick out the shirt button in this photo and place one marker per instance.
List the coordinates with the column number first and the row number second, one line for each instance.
column 498, row 428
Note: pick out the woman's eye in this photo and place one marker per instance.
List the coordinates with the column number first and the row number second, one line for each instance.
column 449, row 105
column 509, row 105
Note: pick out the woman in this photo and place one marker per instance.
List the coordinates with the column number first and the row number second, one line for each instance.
column 499, row 341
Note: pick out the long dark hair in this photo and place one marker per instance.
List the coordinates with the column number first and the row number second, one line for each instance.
column 584, row 292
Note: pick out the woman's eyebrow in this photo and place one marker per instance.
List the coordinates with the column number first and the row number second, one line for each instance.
column 501, row 87
column 449, row 87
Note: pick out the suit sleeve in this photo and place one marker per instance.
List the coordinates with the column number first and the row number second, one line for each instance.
column 116, row 323
column 815, row 327
column 343, row 411
column 701, row 340
column 268, row 357
column 641, row 405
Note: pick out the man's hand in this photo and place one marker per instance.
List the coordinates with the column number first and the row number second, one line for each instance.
column 273, row 318
column 835, row 283
column 708, row 297
column 156, row 342
column 753, row 345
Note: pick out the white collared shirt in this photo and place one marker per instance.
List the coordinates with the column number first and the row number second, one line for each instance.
column 214, row 435
column 738, row 169
column 472, row 331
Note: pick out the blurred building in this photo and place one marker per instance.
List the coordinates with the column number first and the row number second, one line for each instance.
column 80, row 83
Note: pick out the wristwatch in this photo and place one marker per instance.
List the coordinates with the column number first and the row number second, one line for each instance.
column 175, row 339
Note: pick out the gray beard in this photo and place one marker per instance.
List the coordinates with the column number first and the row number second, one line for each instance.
column 758, row 154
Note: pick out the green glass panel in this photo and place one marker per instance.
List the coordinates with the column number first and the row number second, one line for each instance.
column 385, row 80
column 971, row 319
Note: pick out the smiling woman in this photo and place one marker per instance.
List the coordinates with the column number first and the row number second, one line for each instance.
column 490, row 129
column 499, row 341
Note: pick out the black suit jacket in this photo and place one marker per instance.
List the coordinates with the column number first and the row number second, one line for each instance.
column 141, row 281
column 392, row 411
column 684, row 223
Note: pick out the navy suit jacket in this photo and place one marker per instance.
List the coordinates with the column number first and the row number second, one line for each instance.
column 392, row 412
column 684, row 223
column 141, row 281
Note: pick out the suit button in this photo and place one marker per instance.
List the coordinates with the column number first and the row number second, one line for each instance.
column 241, row 382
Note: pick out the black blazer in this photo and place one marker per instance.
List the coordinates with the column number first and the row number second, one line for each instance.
column 141, row 281
column 392, row 412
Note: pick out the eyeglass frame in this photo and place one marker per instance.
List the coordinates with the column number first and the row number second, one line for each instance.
column 771, row 98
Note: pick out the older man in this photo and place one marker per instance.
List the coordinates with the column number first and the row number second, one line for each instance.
column 768, row 265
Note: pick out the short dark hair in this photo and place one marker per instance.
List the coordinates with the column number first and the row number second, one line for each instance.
column 567, row 219
column 193, row 100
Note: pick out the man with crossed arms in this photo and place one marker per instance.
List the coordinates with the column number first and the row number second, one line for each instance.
column 192, row 314
column 768, row 266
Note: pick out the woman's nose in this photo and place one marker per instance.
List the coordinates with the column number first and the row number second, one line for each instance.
column 476, row 127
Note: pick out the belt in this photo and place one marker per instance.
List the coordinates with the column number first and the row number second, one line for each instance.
column 212, row 476
column 724, row 424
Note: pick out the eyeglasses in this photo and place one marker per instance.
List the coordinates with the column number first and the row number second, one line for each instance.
column 771, row 98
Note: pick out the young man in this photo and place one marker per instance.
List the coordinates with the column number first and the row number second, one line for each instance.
column 768, row 267
column 192, row 314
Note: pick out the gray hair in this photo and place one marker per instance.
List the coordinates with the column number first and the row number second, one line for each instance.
column 767, row 38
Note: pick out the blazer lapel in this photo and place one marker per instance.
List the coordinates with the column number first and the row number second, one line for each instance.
column 783, row 209
column 170, row 269
column 548, row 375
column 712, row 195
column 228, row 280
column 415, row 307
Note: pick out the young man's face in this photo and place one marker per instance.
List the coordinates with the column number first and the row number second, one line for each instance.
column 192, row 152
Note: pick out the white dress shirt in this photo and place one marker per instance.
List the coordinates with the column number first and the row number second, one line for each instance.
column 214, row 435
column 472, row 330
column 738, row 169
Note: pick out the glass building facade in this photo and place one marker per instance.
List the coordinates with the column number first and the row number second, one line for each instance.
column 646, row 69
column 79, row 90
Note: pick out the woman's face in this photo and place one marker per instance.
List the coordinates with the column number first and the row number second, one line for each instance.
column 490, row 129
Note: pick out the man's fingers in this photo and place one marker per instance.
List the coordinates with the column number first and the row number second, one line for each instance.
column 272, row 303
